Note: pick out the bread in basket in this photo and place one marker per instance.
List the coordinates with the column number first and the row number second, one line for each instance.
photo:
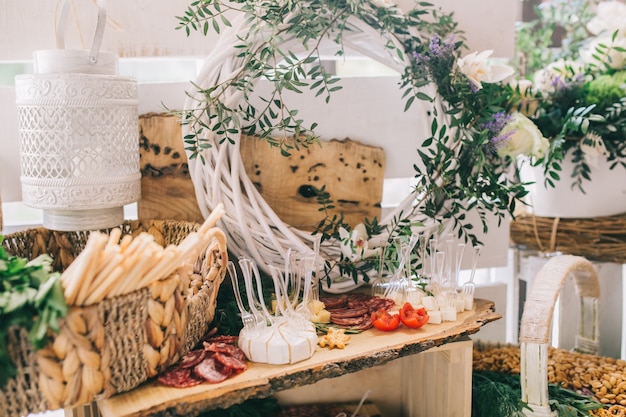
column 122, row 328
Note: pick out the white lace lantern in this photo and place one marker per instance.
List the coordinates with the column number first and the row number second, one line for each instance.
column 78, row 132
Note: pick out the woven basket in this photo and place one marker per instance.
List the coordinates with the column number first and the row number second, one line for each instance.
column 537, row 320
column 219, row 174
column 597, row 239
column 118, row 343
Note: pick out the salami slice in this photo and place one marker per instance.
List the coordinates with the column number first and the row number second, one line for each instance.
column 376, row 303
column 178, row 377
column 331, row 302
column 209, row 370
column 349, row 312
column 231, row 362
column 349, row 321
column 358, row 300
column 192, row 358
column 220, row 347
column 366, row 324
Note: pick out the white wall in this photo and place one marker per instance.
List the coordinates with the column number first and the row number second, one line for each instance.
column 146, row 27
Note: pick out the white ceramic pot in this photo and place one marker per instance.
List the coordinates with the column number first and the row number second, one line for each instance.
column 605, row 194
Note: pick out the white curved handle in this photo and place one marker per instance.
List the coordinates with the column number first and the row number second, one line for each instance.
column 98, row 33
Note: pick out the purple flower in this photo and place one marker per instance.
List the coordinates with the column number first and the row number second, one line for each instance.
column 500, row 140
column 494, row 128
column 495, row 125
column 421, row 58
column 439, row 49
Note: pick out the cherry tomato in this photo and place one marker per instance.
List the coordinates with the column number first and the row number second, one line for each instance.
column 385, row 321
column 412, row 318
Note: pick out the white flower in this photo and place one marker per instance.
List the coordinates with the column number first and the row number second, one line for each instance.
column 383, row 4
column 557, row 75
column 593, row 147
column 354, row 245
column 476, row 68
column 610, row 16
column 523, row 137
column 616, row 59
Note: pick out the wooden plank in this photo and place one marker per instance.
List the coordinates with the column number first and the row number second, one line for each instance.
column 365, row 350
column 351, row 172
column 167, row 191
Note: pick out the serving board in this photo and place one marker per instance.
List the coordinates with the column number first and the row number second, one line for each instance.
column 365, row 350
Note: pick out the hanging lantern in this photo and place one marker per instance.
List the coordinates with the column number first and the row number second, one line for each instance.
column 78, row 133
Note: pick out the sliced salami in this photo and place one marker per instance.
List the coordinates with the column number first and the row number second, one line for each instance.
column 178, row 377
column 331, row 302
column 209, row 370
column 349, row 321
column 238, row 353
column 192, row 358
column 349, row 312
column 219, row 347
column 366, row 324
column 231, row 362
column 376, row 303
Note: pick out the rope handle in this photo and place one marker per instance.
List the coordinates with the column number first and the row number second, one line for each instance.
column 98, row 33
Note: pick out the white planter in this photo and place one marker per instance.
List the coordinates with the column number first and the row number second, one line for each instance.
column 605, row 194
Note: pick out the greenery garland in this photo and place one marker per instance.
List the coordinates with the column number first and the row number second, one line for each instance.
column 462, row 166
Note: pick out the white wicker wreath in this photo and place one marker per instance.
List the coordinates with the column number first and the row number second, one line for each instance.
column 254, row 229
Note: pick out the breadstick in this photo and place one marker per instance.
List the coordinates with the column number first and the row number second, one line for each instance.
column 100, row 278
column 138, row 244
column 134, row 273
column 110, row 282
column 75, row 273
column 213, row 218
column 157, row 259
column 190, row 247
column 125, row 242
column 114, row 237
column 170, row 261
column 94, row 264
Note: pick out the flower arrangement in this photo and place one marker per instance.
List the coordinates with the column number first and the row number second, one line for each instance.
column 464, row 164
column 575, row 92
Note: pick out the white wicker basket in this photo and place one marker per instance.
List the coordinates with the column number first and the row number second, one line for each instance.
column 219, row 175
column 537, row 320
column 78, row 131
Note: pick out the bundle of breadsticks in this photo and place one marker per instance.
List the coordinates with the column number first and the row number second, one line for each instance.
column 113, row 265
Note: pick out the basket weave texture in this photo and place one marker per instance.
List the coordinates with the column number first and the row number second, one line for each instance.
column 118, row 343
column 600, row 239
column 537, row 321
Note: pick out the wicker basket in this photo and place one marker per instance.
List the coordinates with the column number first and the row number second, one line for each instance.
column 537, row 320
column 600, row 239
column 118, row 343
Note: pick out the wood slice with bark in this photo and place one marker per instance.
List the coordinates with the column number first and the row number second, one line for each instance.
column 351, row 172
column 167, row 191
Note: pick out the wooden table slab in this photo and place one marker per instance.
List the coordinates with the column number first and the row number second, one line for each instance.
column 370, row 348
